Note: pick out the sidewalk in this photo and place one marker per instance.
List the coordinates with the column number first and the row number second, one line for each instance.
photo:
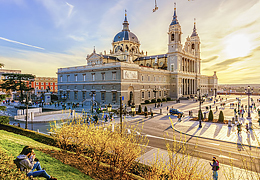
column 219, row 132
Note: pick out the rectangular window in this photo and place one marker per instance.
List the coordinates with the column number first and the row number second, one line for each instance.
column 41, row 88
column 142, row 78
column 113, row 96
column 68, row 78
column 149, row 78
column 76, row 77
column 113, row 75
column 37, row 83
column 102, row 96
column 142, row 95
column 164, row 93
column 93, row 77
column 154, row 94
column 51, row 88
column 47, row 83
column 42, row 83
column 84, row 95
column 103, row 76
column 154, row 78
column 68, row 95
column 160, row 93
column 160, row 79
column 60, row 78
column 84, row 77
column 149, row 94
column 51, row 83
column 75, row 95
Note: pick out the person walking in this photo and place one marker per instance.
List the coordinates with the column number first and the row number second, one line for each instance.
column 214, row 168
column 247, row 128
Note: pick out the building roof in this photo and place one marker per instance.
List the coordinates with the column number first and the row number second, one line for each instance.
column 151, row 57
column 110, row 57
column 174, row 19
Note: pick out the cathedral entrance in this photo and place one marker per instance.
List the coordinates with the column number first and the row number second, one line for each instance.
column 130, row 96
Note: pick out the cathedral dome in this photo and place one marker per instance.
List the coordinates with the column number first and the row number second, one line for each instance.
column 126, row 35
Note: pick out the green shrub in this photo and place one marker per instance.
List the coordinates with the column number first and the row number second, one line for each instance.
column 159, row 100
column 4, row 120
column 169, row 99
column 139, row 109
column 210, row 116
column 200, row 115
column 221, row 117
column 146, row 101
column 163, row 99
column 145, row 109
column 153, row 101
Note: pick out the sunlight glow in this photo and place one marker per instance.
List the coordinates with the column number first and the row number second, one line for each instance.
column 238, row 45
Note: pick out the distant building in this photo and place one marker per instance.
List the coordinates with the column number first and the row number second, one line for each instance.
column 42, row 84
column 128, row 72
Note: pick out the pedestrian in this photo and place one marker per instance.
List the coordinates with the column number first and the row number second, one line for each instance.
column 155, row 105
column 216, row 108
column 27, row 162
column 18, row 124
column 247, row 128
column 214, row 169
column 161, row 104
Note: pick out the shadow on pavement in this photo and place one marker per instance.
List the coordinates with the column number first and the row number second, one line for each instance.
column 192, row 126
column 217, row 130
column 229, row 131
column 205, row 128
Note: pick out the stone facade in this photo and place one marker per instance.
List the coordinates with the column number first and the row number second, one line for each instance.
column 130, row 73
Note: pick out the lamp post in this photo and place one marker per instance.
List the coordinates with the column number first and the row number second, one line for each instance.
column 121, row 124
column 249, row 92
column 92, row 94
column 133, row 109
column 200, row 113
column 109, row 108
column 215, row 92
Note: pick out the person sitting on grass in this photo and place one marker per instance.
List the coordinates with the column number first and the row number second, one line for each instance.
column 28, row 163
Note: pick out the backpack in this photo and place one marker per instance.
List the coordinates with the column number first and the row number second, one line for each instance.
column 17, row 163
column 217, row 165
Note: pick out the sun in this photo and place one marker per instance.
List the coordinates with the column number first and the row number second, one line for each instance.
column 237, row 45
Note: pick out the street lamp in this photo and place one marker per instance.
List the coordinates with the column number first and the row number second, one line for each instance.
column 133, row 109
column 200, row 113
column 249, row 92
column 215, row 92
column 109, row 109
column 92, row 94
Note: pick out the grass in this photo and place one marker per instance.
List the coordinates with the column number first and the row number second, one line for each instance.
column 12, row 144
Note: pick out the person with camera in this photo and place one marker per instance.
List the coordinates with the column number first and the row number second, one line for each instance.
column 27, row 162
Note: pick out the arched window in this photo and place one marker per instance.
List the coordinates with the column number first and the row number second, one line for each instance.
column 172, row 37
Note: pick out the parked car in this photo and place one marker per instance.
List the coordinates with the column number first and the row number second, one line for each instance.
column 175, row 111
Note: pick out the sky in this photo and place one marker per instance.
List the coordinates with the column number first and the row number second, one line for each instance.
column 40, row 36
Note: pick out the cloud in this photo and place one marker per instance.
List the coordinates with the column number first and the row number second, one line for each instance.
column 210, row 59
column 12, row 41
column 70, row 8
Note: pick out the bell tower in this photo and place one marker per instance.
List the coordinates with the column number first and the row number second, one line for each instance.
column 174, row 34
column 195, row 41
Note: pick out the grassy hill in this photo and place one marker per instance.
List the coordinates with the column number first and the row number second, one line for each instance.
column 12, row 144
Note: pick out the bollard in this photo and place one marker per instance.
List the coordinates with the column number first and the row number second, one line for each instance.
column 161, row 111
column 205, row 115
column 233, row 120
column 229, row 123
column 32, row 115
column 113, row 127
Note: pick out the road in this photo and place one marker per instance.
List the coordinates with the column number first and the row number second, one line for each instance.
column 159, row 132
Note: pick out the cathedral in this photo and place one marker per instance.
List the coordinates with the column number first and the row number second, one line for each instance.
column 128, row 72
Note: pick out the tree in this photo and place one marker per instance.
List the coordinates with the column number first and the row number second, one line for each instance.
column 210, row 116
column 18, row 82
column 139, row 109
column 221, row 117
column 1, row 65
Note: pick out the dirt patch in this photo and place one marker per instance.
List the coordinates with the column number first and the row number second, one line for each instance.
column 86, row 165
